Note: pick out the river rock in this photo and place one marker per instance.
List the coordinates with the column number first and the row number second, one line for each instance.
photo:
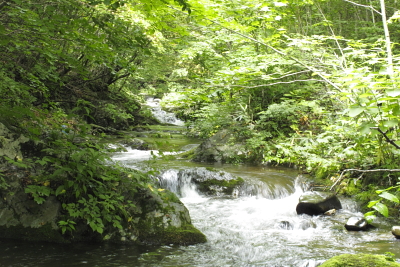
column 221, row 147
column 359, row 260
column 285, row 225
column 136, row 144
column 396, row 231
column 157, row 218
column 10, row 143
column 211, row 182
column 316, row 203
column 305, row 224
column 356, row 224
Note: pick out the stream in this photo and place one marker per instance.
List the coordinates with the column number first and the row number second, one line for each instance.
column 259, row 227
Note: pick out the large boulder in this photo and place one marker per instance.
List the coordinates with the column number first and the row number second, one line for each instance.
column 158, row 217
column 316, row 203
column 221, row 147
column 360, row 260
column 164, row 220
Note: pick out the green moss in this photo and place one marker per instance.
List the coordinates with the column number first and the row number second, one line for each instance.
column 44, row 233
column 165, row 128
column 159, row 225
column 185, row 235
column 187, row 154
column 359, row 260
column 226, row 185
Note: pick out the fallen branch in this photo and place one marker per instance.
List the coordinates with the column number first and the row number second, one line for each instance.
column 341, row 177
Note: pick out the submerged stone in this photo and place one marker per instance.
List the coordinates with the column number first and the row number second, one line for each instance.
column 360, row 260
column 285, row 225
column 316, row 203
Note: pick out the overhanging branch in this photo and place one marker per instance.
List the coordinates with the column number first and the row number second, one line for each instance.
column 390, row 141
column 341, row 177
column 283, row 54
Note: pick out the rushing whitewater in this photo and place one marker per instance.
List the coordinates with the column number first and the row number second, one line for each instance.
column 256, row 230
column 257, row 225
column 161, row 115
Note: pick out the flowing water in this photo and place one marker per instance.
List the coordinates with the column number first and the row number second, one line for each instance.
column 256, row 227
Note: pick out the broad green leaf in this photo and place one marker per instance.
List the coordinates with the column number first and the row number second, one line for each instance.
column 393, row 93
column 389, row 196
column 366, row 128
column 382, row 209
column 355, row 111
column 365, row 95
column 391, row 123
column 370, row 216
column 372, row 203
column 60, row 190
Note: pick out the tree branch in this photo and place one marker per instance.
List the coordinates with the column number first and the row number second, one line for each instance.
column 370, row 7
column 390, row 141
column 270, row 84
column 283, row 54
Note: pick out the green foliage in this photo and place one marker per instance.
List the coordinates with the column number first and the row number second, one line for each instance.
column 76, row 171
column 3, row 182
column 39, row 193
column 66, row 225
column 385, row 201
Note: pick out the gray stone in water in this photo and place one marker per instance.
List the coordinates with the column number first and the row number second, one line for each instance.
column 211, row 182
column 305, row 224
column 312, row 263
column 356, row 224
column 136, row 144
column 285, row 225
column 316, row 203
column 396, row 231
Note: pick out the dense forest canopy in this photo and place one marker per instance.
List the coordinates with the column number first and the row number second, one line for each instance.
column 313, row 83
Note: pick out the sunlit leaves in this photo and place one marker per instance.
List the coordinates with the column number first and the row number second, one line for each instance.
column 389, row 196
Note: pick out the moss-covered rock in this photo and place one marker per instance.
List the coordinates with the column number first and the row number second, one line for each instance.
column 359, row 260
column 158, row 217
column 165, row 220
column 221, row 147
column 210, row 182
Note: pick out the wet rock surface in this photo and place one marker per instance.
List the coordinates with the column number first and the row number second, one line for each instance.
column 316, row 203
column 211, row 182
column 356, row 224
column 396, row 231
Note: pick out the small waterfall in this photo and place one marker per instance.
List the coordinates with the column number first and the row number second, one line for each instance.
column 183, row 183
column 161, row 115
